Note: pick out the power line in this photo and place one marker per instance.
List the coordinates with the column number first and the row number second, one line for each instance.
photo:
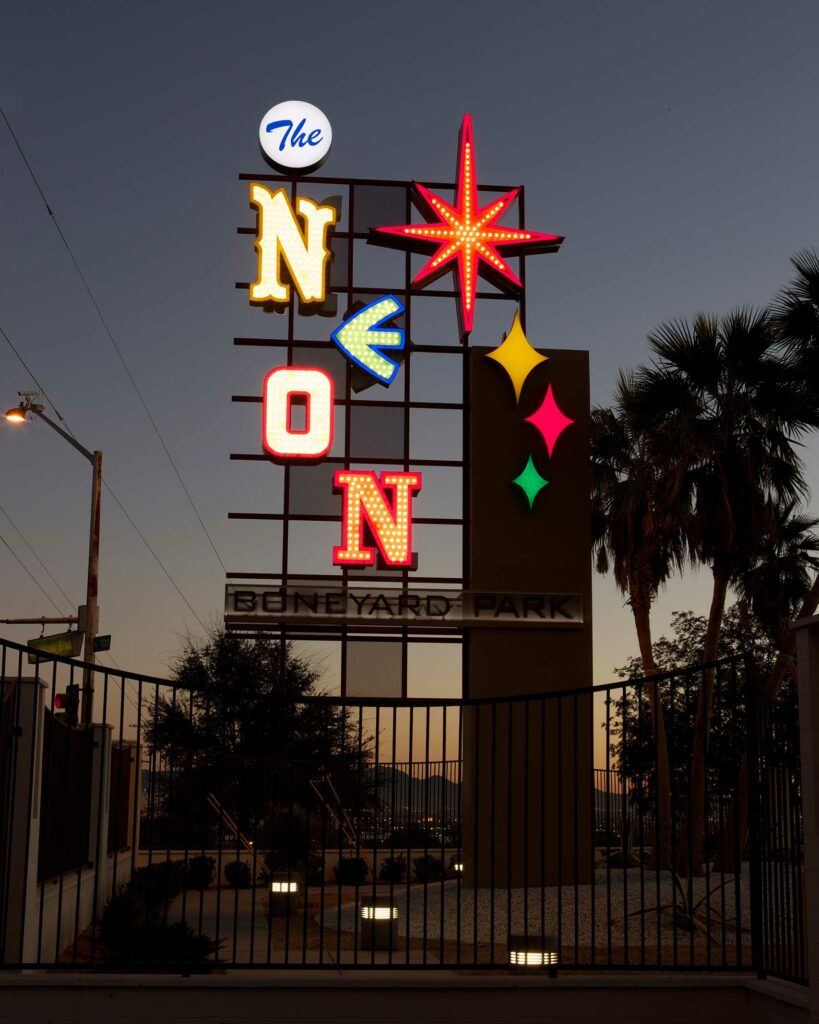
column 108, row 488
column 31, row 549
column 68, row 599
column 111, row 338
column 34, row 579
column 155, row 555
column 30, row 372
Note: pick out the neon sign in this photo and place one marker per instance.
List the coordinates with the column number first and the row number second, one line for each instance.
column 295, row 136
column 468, row 236
column 280, row 236
column 314, row 388
column 516, row 355
column 530, row 482
column 362, row 339
column 549, row 420
column 365, row 501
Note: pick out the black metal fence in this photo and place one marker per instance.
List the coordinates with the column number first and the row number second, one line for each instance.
column 552, row 830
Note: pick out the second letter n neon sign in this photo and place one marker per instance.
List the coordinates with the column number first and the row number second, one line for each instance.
column 364, row 498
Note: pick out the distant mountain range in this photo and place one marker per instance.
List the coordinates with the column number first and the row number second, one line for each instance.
column 434, row 795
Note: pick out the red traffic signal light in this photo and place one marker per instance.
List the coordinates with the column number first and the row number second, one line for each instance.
column 69, row 702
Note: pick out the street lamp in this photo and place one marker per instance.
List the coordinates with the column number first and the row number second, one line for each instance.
column 19, row 414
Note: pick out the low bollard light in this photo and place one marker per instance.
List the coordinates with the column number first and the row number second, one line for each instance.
column 284, row 895
column 533, row 951
column 379, row 923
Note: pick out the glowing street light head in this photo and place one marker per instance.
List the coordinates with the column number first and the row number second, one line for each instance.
column 19, row 414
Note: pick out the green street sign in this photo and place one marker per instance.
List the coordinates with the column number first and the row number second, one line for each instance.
column 102, row 643
column 68, row 645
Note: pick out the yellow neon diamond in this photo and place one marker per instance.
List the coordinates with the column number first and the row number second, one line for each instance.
column 516, row 356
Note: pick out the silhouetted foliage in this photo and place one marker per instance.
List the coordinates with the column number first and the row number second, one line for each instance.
column 632, row 743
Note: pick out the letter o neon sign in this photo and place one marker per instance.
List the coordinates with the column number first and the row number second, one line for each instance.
column 279, row 437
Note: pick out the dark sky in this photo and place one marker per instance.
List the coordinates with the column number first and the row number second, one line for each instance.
column 674, row 145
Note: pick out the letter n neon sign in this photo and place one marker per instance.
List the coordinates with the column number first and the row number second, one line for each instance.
column 390, row 523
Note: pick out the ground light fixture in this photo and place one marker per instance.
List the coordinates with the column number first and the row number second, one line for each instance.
column 30, row 403
column 379, row 923
column 284, row 894
column 533, row 951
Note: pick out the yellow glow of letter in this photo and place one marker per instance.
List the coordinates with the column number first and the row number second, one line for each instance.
column 280, row 236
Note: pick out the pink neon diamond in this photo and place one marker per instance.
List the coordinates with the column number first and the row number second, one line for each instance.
column 549, row 420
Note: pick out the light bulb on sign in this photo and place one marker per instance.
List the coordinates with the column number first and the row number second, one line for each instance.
column 279, row 437
column 281, row 237
column 365, row 500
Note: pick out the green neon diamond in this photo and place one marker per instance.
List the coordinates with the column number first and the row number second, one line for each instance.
column 530, row 482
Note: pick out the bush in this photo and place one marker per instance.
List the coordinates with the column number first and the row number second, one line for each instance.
column 177, row 944
column 427, row 868
column 200, row 872
column 133, row 928
column 126, row 918
column 352, row 871
column 238, row 874
column 393, row 870
column 159, row 883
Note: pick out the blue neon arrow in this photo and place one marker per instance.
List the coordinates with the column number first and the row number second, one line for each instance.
column 361, row 340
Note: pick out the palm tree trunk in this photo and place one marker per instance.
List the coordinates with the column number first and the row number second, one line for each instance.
column 735, row 831
column 692, row 846
column 661, row 856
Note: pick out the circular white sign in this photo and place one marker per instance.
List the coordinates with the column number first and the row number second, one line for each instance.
column 295, row 136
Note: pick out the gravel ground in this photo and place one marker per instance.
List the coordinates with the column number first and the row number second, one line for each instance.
column 615, row 900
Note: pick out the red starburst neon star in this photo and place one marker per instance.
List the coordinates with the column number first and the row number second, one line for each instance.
column 469, row 234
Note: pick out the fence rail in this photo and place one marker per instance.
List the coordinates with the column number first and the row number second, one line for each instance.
column 188, row 828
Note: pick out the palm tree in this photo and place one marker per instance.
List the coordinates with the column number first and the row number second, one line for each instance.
column 781, row 585
column 725, row 408
column 796, row 314
column 634, row 535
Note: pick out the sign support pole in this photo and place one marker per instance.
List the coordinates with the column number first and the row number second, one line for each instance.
column 92, row 591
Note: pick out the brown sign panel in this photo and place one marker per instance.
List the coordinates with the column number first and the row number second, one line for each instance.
column 249, row 604
column 543, row 546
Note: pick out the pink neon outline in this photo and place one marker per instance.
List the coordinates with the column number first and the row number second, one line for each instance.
column 345, row 519
column 467, row 207
column 550, row 420
column 300, row 456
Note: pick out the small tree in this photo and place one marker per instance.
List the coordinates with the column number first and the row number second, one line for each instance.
column 632, row 744
column 239, row 725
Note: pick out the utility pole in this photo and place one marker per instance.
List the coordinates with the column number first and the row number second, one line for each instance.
column 19, row 414
column 92, row 591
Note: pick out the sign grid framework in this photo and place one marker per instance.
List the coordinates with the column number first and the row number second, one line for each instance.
column 375, row 428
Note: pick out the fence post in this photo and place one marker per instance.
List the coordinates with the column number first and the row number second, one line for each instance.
column 99, row 806
column 755, row 811
column 24, row 699
column 807, row 655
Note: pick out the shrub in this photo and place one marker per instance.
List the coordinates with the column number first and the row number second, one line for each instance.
column 133, row 928
column 238, row 874
column 126, row 918
column 427, row 868
column 393, row 870
column 200, row 872
column 352, row 871
column 159, row 883
column 177, row 944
